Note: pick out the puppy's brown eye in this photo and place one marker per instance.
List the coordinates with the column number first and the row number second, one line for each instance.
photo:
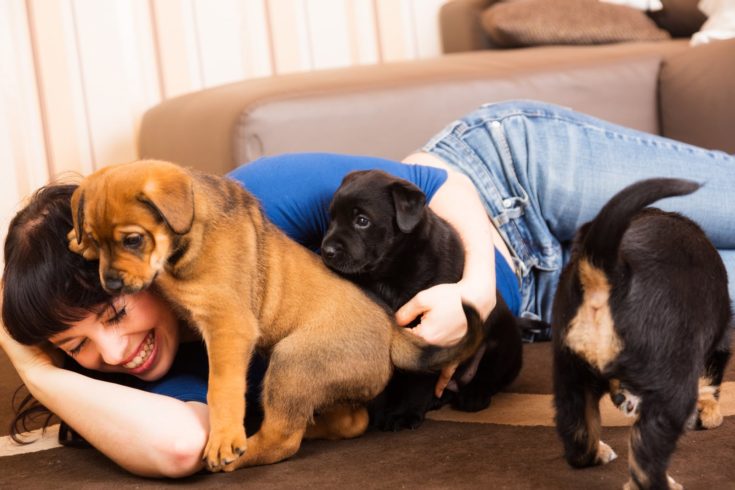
column 362, row 221
column 133, row 241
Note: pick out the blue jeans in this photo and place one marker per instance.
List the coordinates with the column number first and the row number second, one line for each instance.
column 543, row 170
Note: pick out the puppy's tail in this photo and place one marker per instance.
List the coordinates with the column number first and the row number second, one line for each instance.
column 410, row 352
column 605, row 232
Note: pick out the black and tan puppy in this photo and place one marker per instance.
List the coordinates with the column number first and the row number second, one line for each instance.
column 244, row 285
column 643, row 302
column 383, row 237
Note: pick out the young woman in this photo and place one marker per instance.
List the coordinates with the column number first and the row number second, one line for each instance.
column 537, row 170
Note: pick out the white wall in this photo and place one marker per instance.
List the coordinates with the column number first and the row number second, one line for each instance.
column 77, row 75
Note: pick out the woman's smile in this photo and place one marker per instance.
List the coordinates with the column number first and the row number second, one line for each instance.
column 142, row 359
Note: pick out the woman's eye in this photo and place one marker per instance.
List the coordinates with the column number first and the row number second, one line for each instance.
column 76, row 350
column 362, row 221
column 134, row 240
column 118, row 316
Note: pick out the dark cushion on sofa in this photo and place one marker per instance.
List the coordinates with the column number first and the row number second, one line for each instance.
column 681, row 18
column 543, row 22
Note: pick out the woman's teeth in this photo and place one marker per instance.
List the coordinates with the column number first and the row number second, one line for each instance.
column 143, row 355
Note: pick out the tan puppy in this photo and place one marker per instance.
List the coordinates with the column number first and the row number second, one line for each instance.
column 243, row 284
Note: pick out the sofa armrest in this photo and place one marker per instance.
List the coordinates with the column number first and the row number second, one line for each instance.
column 460, row 27
column 697, row 96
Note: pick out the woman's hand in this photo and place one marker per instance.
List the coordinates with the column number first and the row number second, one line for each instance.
column 28, row 359
column 442, row 321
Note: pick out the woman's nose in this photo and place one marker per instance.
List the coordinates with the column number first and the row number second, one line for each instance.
column 112, row 347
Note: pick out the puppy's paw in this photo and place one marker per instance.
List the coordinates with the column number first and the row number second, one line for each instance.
column 708, row 414
column 627, row 402
column 223, row 448
column 395, row 421
column 631, row 485
column 83, row 248
column 471, row 400
column 673, row 485
column 605, row 453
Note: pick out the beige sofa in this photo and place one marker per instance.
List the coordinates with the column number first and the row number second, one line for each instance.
column 389, row 110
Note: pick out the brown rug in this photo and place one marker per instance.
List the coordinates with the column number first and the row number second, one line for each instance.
column 510, row 445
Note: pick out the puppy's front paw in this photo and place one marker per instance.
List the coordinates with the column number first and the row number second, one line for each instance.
column 224, row 447
column 83, row 248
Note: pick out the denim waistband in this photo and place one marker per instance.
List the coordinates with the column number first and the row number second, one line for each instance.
column 477, row 146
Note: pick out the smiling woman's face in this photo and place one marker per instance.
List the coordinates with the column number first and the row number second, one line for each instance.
column 137, row 335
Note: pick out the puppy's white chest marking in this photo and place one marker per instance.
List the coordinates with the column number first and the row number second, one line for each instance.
column 591, row 334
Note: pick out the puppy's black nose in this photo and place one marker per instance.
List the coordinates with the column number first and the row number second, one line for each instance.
column 329, row 251
column 113, row 283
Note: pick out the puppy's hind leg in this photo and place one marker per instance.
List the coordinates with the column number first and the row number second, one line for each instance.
column 576, row 399
column 708, row 403
column 662, row 420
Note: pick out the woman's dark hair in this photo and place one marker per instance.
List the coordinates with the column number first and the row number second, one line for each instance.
column 46, row 287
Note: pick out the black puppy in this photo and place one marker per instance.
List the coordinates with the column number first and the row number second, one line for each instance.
column 643, row 302
column 383, row 237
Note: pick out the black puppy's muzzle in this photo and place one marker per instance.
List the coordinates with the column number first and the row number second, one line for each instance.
column 329, row 252
column 335, row 257
column 332, row 252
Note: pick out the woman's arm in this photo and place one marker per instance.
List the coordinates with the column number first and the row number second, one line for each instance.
column 443, row 320
column 145, row 433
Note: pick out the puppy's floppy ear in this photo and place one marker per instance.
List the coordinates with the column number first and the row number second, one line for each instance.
column 78, row 242
column 77, row 213
column 409, row 203
column 170, row 196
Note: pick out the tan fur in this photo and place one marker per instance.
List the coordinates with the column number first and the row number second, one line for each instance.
column 708, row 405
column 244, row 285
column 591, row 332
column 339, row 422
column 590, row 432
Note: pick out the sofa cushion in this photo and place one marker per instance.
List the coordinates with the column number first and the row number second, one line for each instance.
column 696, row 96
column 541, row 22
column 392, row 109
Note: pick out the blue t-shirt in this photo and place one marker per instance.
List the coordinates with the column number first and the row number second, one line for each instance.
column 295, row 191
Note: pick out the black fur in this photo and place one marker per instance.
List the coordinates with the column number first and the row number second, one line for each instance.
column 383, row 237
column 669, row 306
